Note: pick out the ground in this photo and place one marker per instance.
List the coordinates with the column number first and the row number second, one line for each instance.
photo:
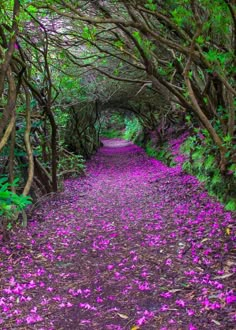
column 132, row 245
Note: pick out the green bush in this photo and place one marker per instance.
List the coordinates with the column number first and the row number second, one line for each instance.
column 72, row 163
column 132, row 129
column 10, row 204
column 163, row 154
column 120, row 127
column 202, row 163
column 111, row 133
column 113, row 126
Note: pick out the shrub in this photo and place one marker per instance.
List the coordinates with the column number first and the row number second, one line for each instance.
column 163, row 154
column 202, row 162
column 10, row 204
column 71, row 162
column 132, row 129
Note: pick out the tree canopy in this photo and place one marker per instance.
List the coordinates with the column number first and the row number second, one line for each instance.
column 64, row 63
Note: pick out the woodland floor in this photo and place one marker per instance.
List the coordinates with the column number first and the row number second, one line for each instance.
column 133, row 245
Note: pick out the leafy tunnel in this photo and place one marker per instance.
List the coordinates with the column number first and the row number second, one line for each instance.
column 147, row 70
column 117, row 164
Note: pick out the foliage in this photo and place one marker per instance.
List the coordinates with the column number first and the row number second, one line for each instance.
column 113, row 125
column 10, row 203
column 125, row 126
column 111, row 133
column 72, row 162
column 202, row 162
column 132, row 129
column 66, row 65
column 161, row 153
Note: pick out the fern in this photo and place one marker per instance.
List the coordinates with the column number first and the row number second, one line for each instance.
column 202, row 178
column 204, row 166
column 188, row 145
column 187, row 166
column 216, row 178
column 11, row 202
column 197, row 155
column 231, row 205
column 132, row 129
column 209, row 162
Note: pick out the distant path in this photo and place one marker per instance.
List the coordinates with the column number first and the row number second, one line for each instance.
column 132, row 243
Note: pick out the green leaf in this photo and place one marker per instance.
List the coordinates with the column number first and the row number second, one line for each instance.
column 227, row 138
column 89, row 33
column 151, row 6
column 216, row 178
column 212, row 55
column 137, row 36
column 119, row 44
column 31, row 9
column 209, row 162
column 231, row 205
column 200, row 40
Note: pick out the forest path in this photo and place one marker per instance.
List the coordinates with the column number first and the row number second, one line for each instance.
column 134, row 243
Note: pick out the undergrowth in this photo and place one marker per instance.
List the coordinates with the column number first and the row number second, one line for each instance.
column 113, row 127
column 112, row 133
column 132, row 129
column 201, row 162
column 72, row 162
column 163, row 154
column 11, row 204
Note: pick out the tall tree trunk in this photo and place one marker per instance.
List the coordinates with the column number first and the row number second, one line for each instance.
column 12, row 159
column 7, row 56
column 28, row 144
column 53, row 148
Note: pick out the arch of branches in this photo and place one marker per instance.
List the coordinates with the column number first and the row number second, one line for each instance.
column 62, row 62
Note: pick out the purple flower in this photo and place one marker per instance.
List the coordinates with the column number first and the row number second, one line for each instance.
column 33, row 318
column 169, row 262
column 230, row 299
column 110, row 267
column 180, row 302
column 141, row 321
column 166, row 294
column 164, row 308
column 190, row 312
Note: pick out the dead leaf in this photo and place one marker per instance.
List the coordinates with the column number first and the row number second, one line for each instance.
column 135, row 327
column 227, row 230
column 123, row 316
column 216, row 322
column 223, row 276
column 175, row 290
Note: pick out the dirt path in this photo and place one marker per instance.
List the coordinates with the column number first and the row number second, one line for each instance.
column 134, row 243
